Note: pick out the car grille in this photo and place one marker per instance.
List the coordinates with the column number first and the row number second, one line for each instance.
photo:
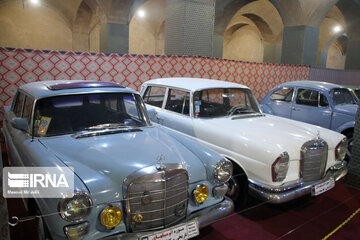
column 313, row 160
column 158, row 197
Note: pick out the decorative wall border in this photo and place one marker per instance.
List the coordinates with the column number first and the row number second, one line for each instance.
column 20, row 66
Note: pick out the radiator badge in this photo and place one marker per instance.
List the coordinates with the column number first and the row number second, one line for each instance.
column 160, row 162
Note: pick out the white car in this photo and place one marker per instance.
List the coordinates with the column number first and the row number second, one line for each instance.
column 275, row 159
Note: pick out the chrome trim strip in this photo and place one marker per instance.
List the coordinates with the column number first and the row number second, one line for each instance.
column 204, row 218
column 284, row 194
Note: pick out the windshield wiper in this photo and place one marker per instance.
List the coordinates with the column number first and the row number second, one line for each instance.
column 107, row 126
column 240, row 110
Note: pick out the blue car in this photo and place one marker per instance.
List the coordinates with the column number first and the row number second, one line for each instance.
column 132, row 180
column 324, row 104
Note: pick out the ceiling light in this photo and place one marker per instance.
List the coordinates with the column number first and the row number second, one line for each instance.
column 35, row 2
column 141, row 13
column 337, row 29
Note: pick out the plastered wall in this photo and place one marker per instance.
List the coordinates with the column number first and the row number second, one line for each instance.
column 33, row 27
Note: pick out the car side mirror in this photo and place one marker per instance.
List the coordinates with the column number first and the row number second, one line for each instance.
column 151, row 113
column 20, row 123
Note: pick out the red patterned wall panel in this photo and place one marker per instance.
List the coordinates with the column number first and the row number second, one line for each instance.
column 19, row 66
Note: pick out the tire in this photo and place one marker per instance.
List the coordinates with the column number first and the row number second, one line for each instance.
column 238, row 189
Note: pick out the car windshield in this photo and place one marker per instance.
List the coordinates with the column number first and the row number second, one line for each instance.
column 343, row 96
column 220, row 102
column 73, row 113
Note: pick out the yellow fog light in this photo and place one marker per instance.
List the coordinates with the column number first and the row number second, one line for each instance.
column 111, row 216
column 201, row 193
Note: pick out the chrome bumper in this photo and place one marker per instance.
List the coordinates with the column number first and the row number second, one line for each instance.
column 204, row 218
column 284, row 194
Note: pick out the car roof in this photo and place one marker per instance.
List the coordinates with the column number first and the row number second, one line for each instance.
column 313, row 84
column 62, row 87
column 194, row 84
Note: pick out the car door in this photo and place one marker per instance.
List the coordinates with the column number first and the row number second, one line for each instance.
column 176, row 112
column 280, row 101
column 18, row 141
column 311, row 106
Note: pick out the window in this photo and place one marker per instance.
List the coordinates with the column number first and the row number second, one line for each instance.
column 323, row 101
column 28, row 108
column 342, row 96
column 73, row 113
column 307, row 97
column 154, row 96
column 19, row 104
column 224, row 101
column 178, row 101
column 283, row 95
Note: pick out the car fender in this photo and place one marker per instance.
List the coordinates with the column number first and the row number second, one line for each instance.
column 344, row 126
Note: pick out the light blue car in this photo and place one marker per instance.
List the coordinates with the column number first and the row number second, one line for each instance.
column 133, row 180
column 324, row 104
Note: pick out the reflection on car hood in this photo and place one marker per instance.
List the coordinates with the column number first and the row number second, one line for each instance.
column 103, row 162
column 349, row 109
column 263, row 138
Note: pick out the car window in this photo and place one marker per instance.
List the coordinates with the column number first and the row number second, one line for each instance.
column 19, row 104
column 283, row 94
column 224, row 101
column 73, row 113
column 28, row 108
column 342, row 96
column 178, row 101
column 154, row 96
column 323, row 101
column 307, row 97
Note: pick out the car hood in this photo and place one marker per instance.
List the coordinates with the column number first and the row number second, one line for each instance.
column 263, row 138
column 349, row 109
column 103, row 162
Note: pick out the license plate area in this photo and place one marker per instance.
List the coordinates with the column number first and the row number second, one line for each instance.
column 322, row 187
column 182, row 231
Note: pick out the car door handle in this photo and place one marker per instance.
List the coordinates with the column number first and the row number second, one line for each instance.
column 295, row 109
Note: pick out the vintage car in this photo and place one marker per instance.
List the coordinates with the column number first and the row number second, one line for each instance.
column 324, row 104
column 275, row 159
column 132, row 180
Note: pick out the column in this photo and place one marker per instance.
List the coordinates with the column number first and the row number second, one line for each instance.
column 114, row 38
column 218, row 45
column 300, row 45
column 189, row 27
column 353, row 54
column 302, row 20
column 353, row 176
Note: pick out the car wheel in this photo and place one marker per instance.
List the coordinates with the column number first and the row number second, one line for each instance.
column 238, row 190
column 349, row 136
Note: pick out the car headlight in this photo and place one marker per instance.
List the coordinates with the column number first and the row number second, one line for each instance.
column 111, row 216
column 76, row 208
column 340, row 150
column 201, row 193
column 280, row 167
column 223, row 170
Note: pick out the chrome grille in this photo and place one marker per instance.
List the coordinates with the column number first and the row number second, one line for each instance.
column 313, row 160
column 159, row 196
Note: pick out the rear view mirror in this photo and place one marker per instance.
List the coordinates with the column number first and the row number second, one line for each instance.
column 20, row 123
